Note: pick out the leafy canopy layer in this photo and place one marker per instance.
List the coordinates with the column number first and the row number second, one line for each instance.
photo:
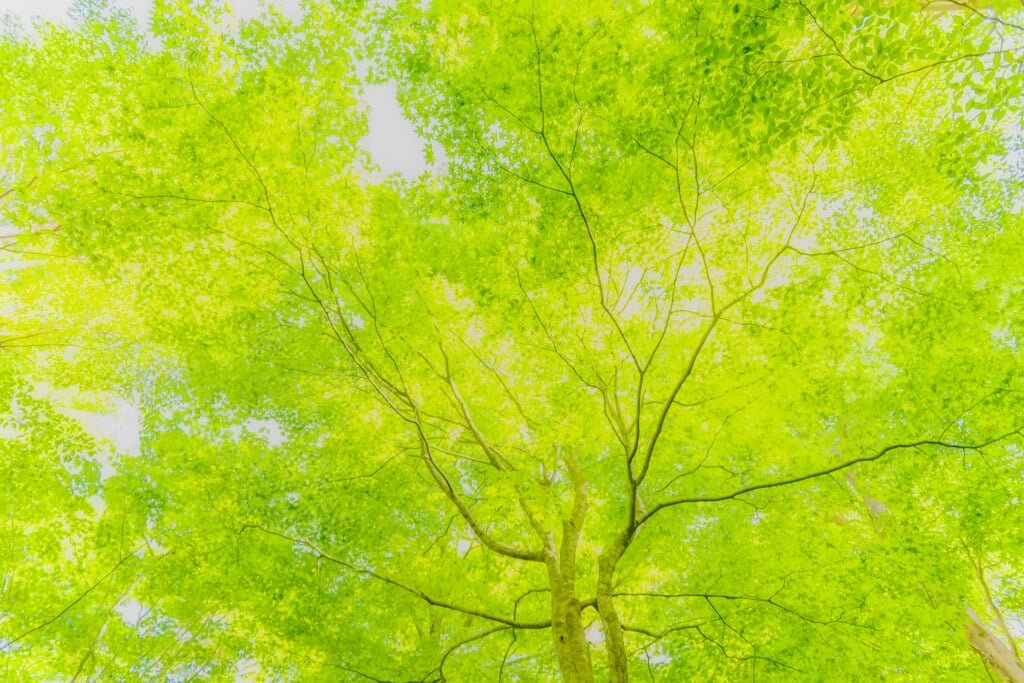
column 694, row 356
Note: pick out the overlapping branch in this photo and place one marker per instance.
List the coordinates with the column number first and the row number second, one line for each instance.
column 391, row 391
column 879, row 79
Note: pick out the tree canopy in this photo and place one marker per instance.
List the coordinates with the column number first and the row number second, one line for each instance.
column 693, row 355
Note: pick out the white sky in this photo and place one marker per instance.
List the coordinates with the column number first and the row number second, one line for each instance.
column 392, row 141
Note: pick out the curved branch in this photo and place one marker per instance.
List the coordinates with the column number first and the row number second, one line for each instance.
column 494, row 456
column 509, row 623
column 658, row 635
column 84, row 594
column 827, row 471
column 566, row 173
column 702, row 342
column 924, row 67
column 405, row 408
column 451, row 650
column 708, row 597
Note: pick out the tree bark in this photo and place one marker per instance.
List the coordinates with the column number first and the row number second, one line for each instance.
column 614, row 643
column 571, row 646
column 993, row 650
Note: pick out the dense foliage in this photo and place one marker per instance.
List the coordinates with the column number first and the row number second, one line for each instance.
column 695, row 355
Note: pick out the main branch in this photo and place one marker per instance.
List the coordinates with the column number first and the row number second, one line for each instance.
column 827, row 471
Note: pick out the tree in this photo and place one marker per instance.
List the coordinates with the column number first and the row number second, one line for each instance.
column 695, row 356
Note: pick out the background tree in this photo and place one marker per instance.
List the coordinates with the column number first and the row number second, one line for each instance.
column 695, row 357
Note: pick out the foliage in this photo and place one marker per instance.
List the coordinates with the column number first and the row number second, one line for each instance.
column 694, row 356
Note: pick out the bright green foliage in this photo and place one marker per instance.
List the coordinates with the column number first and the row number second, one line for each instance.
column 696, row 356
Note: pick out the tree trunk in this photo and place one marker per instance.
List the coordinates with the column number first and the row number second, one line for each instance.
column 993, row 650
column 571, row 646
column 614, row 644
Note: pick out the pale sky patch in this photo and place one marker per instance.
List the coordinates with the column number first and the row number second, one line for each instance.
column 57, row 10
column 392, row 140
